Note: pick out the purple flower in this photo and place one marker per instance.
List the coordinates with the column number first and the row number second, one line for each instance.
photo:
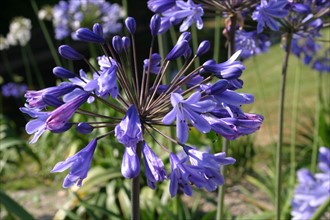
column 79, row 165
column 84, row 128
column 60, row 116
column 312, row 190
column 186, row 12
column 69, row 53
column 35, row 98
column 15, row 90
column 130, row 25
column 251, row 43
column 188, row 111
column 155, row 24
column 130, row 166
column 70, row 15
column 84, row 34
column 129, row 130
column 154, row 167
column 179, row 49
column 267, row 12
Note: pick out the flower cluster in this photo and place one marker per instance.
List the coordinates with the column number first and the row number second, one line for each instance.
column 12, row 89
column 19, row 33
column 251, row 43
column 70, row 15
column 313, row 190
column 204, row 98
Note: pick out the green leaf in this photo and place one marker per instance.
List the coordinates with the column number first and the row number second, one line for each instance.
column 13, row 207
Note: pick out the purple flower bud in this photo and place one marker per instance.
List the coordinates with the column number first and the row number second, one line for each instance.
column 69, row 53
column 84, row 128
column 155, row 24
column 154, row 167
column 219, row 87
column 203, row 47
column 84, row 34
column 66, row 127
column 130, row 166
column 130, row 25
column 97, row 29
column 126, row 42
column 178, row 50
column 185, row 36
column 63, row 73
column 51, row 100
column 117, row 44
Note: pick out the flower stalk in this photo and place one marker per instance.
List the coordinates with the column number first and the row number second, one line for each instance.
column 278, row 182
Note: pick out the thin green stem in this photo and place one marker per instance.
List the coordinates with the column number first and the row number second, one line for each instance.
column 27, row 67
column 222, row 189
column 135, row 189
column 7, row 64
column 46, row 35
column 34, row 65
column 194, row 38
column 217, row 37
column 225, row 142
column 278, row 183
column 317, row 125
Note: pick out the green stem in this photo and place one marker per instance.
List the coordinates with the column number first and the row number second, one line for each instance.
column 317, row 125
column 7, row 64
column 135, row 189
column 27, row 67
column 294, row 124
column 222, row 189
column 46, row 35
column 194, row 38
column 35, row 66
column 321, row 210
column 217, row 37
column 278, row 182
column 225, row 142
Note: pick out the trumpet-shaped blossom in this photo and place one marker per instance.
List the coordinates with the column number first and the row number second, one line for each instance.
column 130, row 166
column 188, row 110
column 129, row 130
column 267, row 12
column 79, row 165
column 154, row 167
column 35, row 98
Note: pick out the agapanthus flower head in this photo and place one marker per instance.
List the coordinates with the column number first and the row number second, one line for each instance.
column 313, row 189
column 12, row 89
column 251, row 43
column 143, row 105
column 70, row 15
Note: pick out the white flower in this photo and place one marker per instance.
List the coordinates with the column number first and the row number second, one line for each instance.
column 19, row 31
